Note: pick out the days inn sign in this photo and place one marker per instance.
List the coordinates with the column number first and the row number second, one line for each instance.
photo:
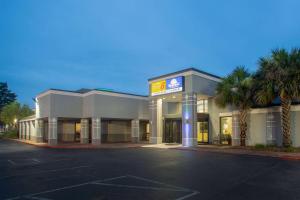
column 167, row 86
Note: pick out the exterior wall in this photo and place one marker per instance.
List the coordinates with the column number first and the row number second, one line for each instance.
column 256, row 133
column 59, row 105
column 171, row 109
column 119, row 107
column 200, row 85
column 156, row 122
column 44, row 106
column 295, row 118
column 278, row 130
column 264, row 125
column 94, row 105
column 66, row 106
column 206, row 87
column 88, row 106
column 214, row 118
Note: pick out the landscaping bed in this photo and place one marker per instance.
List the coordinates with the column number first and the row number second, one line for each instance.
column 271, row 148
column 12, row 134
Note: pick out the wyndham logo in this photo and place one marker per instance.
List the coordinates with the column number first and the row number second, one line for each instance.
column 173, row 83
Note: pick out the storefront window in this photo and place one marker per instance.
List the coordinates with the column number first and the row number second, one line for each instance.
column 226, row 130
column 202, row 106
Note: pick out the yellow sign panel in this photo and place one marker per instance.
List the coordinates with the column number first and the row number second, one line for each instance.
column 158, row 87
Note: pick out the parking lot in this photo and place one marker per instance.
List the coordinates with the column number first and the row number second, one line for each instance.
column 29, row 172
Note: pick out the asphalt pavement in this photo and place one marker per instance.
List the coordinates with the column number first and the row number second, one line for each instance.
column 30, row 172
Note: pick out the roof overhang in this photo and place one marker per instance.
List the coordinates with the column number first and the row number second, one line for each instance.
column 186, row 72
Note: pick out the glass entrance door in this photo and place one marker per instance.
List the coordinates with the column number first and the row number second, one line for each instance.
column 202, row 132
column 172, row 131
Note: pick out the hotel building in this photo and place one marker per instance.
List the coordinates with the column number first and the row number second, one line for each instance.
column 180, row 108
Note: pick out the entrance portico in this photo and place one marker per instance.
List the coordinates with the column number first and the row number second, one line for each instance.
column 173, row 119
column 180, row 101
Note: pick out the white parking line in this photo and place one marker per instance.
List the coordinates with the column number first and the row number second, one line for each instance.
column 102, row 182
column 46, row 171
column 35, row 160
column 140, row 187
column 37, row 198
column 11, row 162
column 63, row 188
column 156, row 182
column 188, row 195
column 110, row 179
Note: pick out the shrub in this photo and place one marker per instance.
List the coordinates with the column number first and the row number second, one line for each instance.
column 13, row 134
column 271, row 146
column 290, row 149
column 259, row 146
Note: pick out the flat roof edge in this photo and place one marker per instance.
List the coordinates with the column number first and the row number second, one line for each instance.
column 97, row 90
column 182, row 71
column 126, row 93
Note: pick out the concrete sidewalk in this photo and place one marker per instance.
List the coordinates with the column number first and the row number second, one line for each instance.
column 243, row 151
column 83, row 146
column 199, row 148
column 229, row 150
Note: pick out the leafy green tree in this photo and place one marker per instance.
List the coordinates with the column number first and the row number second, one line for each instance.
column 13, row 112
column 6, row 96
column 236, row 90
column 279, row 76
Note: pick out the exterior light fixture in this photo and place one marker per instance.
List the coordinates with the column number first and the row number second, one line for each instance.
column 234, row 89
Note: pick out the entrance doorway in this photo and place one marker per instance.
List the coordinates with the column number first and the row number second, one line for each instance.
column 172, row 131
column 202, row 132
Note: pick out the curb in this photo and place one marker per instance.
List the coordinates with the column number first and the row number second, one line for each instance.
column 294, row 158
column 90, row 146
column 254, row 153
column 213, row 150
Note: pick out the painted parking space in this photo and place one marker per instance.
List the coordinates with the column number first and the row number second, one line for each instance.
column 121, row 187
column 144, row 173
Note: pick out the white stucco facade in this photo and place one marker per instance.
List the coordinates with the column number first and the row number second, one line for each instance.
column 180, row 108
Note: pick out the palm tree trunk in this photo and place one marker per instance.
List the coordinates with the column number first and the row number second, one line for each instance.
column 243, row 126
column 285, row 120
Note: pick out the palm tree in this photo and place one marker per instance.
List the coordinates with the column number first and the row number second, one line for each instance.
column 278, row 76
column 236, row 90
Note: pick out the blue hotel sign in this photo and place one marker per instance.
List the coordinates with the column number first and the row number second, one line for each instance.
column 167, row 86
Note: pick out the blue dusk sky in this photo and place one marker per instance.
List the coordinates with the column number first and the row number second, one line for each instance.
column 119, row 44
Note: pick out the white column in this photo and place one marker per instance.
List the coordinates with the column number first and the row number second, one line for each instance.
column 32, row 130
column 135, row 130
column 156, row 123
column 20, row 130
column 84, row 131
column 23, row 130
column 189, row 119
column 27, row 130
column 52, row 131
column 39, row 128
column 96, row 131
